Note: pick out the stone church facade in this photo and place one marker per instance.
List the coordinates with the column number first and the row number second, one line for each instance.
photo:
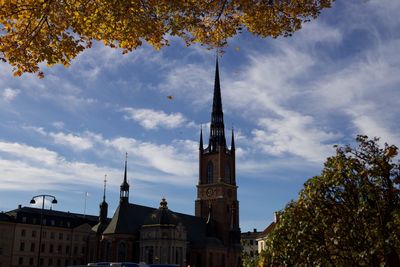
column 210, row 238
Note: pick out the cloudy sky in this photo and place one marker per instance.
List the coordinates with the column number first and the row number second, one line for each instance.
column 289, row 100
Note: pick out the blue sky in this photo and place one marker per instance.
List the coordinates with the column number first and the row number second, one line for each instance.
column 289, row 100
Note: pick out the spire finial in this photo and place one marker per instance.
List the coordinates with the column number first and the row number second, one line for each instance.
column 105, row 184
column 126, row 163
column 201, row 138
column 233, row 140
column 163, row 203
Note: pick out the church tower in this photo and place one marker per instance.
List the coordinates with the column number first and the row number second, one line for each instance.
column 217, row 190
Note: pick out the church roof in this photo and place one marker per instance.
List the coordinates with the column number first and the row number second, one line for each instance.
column 162, row 216
column 100, row 227
column 128, row 219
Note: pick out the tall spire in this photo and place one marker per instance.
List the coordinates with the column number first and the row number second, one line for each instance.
column 124, row 193
column 105, row 184
column 201, row 139
column 126, row 163
column 233, row 141
column 217, row 129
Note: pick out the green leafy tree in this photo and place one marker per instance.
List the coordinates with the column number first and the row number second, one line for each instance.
column 347, row 216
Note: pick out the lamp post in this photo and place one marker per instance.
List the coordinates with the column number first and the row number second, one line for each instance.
column 33, row 201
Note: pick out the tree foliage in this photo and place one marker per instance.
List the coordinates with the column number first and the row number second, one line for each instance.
column 55, row 31
column 347, row 216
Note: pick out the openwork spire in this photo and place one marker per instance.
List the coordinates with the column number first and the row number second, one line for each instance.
column 217, row 129
column 103, row 205
column 124, row 193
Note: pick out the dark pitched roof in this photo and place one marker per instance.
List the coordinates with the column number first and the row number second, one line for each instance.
column 250, row 235
column 128, row 219
column 5, row 217
column 267, row 230
column 100, row 227
column 61, row 218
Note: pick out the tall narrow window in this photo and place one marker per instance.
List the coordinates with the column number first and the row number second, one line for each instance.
column 121, row 252
column 210, row 171
column 108, row 251
column 228, row 174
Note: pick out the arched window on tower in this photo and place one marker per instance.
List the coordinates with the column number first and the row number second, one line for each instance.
column 122, row 252
column 228, row 173
column 210, row 172
column 108, row 251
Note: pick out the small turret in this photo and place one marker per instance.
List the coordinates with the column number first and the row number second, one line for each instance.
column 124, row 189
column 103, row 205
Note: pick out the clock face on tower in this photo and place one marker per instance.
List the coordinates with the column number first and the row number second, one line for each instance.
column 209, row 192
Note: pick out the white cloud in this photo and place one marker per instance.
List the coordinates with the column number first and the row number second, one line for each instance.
column 190, row 81
column 73, row 141
column 39, row 168
column 153, row 119
column 365, row 91
column 29, row 153
column 369, row 125
column 100, row 58
column 35, row 129
column 10, row 94
column 44, row 177
column 177, row 159
column 294, row 134
column 263, row 92
column 59, row 125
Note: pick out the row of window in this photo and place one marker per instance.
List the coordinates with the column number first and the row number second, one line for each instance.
column 52, row 235
column 51, row 248
column 50, row 262
column 44, row 222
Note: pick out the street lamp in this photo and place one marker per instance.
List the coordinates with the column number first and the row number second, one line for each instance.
column 33, row 201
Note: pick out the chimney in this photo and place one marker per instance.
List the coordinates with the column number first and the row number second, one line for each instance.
column 19, row 206
column 255, row 230
column 276, row 217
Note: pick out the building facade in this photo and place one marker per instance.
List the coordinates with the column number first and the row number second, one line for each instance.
column 7, row 230
column 63, row 238
column 250, row 244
